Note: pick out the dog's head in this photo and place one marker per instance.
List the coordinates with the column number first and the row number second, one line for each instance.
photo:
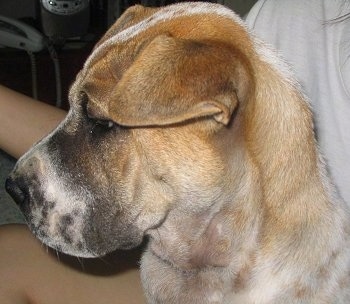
column 144, row 132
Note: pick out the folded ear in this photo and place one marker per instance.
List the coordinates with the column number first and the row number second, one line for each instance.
column 175, row 80
column 130, row 16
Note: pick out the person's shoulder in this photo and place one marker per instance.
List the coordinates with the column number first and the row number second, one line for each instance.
column 272, row 9
column 311, row 9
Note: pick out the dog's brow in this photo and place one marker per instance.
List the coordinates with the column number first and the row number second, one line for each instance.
column 89, row 110
column 83, row 97
column 93, row 112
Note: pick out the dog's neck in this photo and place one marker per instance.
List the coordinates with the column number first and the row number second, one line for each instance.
column 226, row 234
column 206, row 241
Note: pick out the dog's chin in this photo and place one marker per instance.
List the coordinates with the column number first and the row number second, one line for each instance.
column 88, row 252
column 85, row 246
column 68, row 249
column 84, row 251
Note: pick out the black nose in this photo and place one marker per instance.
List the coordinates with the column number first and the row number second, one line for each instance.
column 18, row 193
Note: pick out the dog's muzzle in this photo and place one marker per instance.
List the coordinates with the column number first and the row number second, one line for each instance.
column 67, row 215
column 17, row 184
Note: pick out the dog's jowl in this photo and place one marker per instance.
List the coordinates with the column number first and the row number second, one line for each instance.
column 185, row 128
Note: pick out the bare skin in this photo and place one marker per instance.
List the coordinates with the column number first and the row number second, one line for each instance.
column 24, row 121
column 29, row 273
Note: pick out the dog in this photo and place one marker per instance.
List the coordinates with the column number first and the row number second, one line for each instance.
column 188, row 130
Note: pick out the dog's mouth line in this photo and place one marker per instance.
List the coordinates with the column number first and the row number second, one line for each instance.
column 156, row 225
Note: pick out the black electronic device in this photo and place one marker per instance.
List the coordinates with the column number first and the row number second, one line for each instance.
column 65, row 18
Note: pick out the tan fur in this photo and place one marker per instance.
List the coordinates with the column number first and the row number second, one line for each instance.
column 216, row 162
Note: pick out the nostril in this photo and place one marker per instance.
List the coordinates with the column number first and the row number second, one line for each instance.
column 18, row 194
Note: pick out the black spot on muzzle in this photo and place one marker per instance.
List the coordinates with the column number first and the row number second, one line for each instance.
column 17, row 190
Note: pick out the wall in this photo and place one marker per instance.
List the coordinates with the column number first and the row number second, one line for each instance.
column 17, row 8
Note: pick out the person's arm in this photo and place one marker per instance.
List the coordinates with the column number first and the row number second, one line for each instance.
column 24, row 121
column 30, row 275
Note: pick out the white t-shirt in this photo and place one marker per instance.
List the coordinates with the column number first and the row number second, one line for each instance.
column 318, row 49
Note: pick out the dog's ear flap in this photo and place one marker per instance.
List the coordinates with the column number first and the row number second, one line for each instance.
column 131, row 16
column 175, row 80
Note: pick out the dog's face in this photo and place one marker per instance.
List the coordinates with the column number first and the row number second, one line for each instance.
column 148, row 112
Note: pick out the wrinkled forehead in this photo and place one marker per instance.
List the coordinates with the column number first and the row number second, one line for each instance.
column 172, row 12
column 115, row 52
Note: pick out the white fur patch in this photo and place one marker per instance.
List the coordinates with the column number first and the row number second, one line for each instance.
column 63, row 199
column 66, row 202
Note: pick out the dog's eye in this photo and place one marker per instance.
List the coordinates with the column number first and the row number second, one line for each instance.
column 97, row 124
column 101, row 125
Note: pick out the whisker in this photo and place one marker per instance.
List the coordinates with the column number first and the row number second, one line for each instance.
column 81, row 262
column 106, row 262
column 58, row 256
